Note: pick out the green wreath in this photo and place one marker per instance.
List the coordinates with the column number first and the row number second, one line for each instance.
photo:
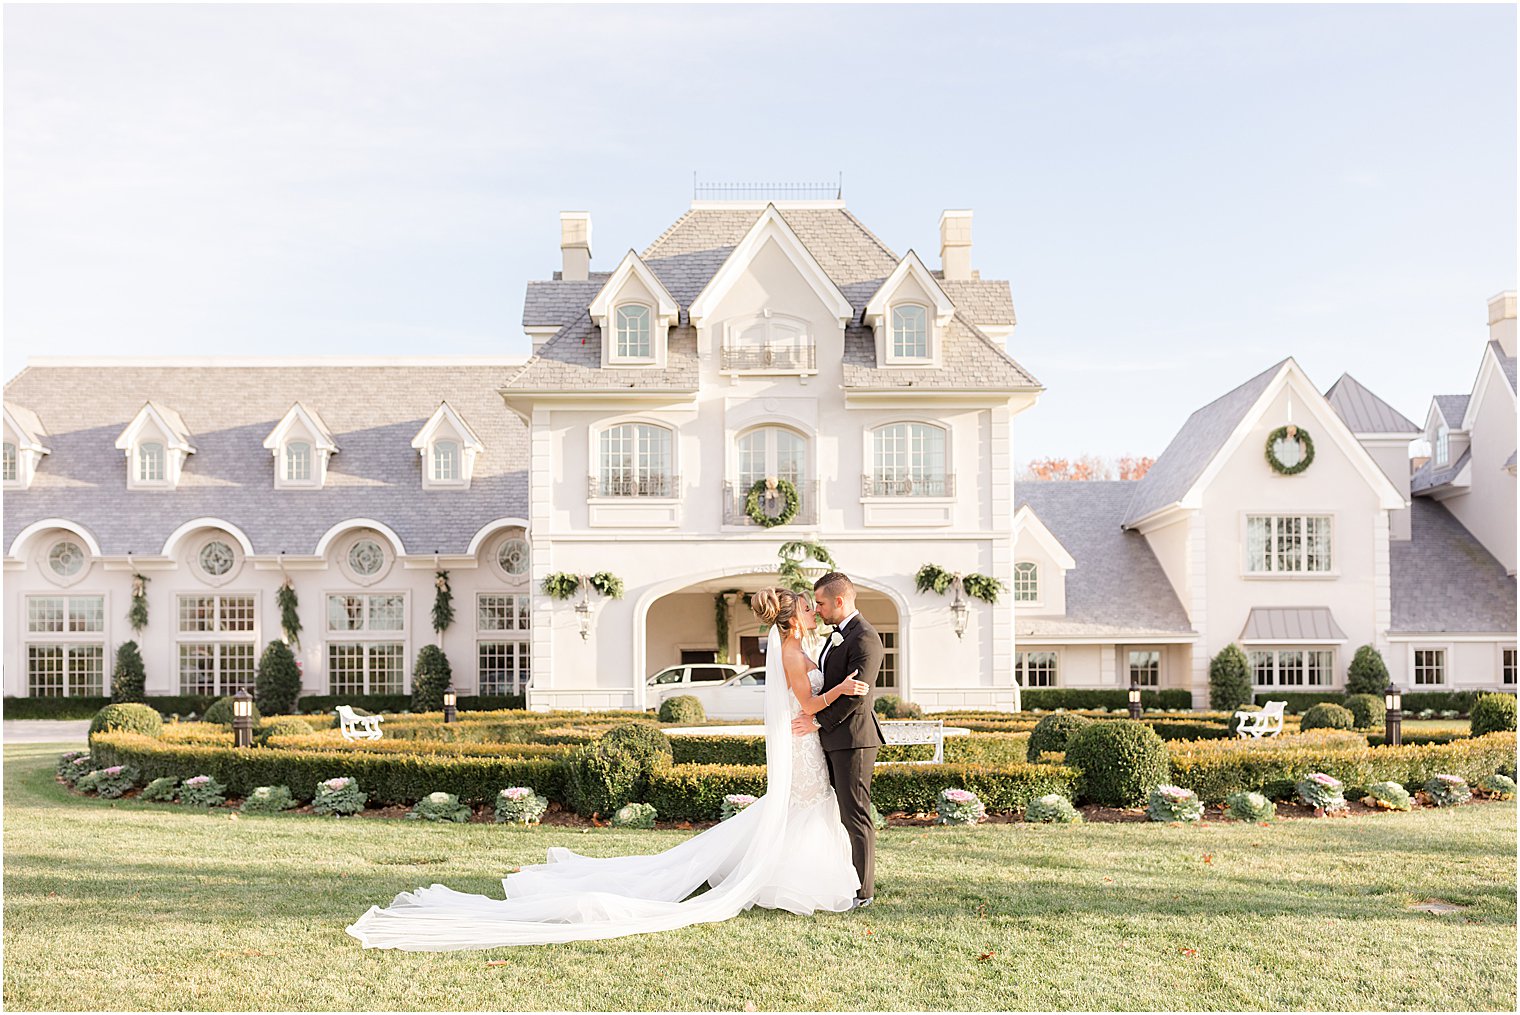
column 788, row 510
column 1303, row 463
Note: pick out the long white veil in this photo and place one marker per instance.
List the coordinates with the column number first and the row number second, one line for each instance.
column 574, row 897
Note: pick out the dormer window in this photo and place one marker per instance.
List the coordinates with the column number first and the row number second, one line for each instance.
column 910, row 332
column 1443, row 444
column 301, row 444
column 633, row 332
column 448, row 448
column 150, row 462
column 298, row 461
column 1026, row 582
column 8, row 462
column 445, row 461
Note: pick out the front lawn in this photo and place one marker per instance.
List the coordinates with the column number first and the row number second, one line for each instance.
column 125, row 905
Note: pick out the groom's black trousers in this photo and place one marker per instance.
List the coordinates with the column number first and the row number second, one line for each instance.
column 850, row 773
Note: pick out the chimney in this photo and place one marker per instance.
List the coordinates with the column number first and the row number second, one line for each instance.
column 1501, row 321
column 955, row 243
column 575, row 245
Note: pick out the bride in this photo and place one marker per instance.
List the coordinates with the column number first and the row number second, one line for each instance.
column 787, row 850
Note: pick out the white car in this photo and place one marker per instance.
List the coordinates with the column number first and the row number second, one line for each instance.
column 741, row 696
column 686, row 677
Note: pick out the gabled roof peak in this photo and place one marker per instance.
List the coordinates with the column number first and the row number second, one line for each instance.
column 168, row 422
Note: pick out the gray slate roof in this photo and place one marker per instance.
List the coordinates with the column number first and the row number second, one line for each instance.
column 1427, row 477
column 1444, row 580
column 1291, row 624
column 1453, row 408
column 1118, row 588
column 1364, row 412
column 687, row 255
column 374, row 412
column 1194, row 446
column 1507, row 362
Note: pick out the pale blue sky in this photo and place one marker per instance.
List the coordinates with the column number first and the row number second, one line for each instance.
column 1180, row 196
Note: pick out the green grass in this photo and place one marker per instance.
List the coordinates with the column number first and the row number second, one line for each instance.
column 118, row 905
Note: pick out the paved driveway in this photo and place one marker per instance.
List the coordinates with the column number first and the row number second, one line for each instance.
column 44, row 731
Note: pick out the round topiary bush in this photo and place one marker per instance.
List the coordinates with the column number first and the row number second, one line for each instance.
column 682, row 708
column 1367, row 710
column 128, row 716
column 220, row 711
column 1492, row 713
column 1054, row 732
column 599, row 779
column 283, row 726
column 1121, row 761
column 643, row 741
column 1327, row 716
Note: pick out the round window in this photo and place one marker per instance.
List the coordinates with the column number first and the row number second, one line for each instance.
column 366, row 558
column 513, row 556
column 66, row 558
column 217, row 558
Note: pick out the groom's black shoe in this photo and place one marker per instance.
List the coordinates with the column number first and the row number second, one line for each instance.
column 861, row 903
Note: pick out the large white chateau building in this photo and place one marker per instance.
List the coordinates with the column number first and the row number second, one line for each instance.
column 753, row 346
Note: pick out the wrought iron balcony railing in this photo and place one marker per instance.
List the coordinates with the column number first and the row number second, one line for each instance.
column 792, row 357
column 734, row 498
column 629, row 484
column 907, row 486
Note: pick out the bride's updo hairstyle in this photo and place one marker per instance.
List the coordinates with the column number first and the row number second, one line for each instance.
column 775, row 605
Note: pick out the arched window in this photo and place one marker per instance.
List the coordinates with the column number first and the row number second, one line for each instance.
column 771, row 451
column 1026, row 582
column 909, row 461
column 150, row 462
column 298, row 462
column 635, row 461
column 446, row 462
column 633, row 332
column 910, row 332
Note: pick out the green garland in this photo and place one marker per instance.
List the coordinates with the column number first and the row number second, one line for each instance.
column 137, row 613
column 290, row 618
column 563, row 585
column 933, row 578
column 1282, row 432
column 721, row 622
column 792, row 555
column 788, row 510
column 443, row 602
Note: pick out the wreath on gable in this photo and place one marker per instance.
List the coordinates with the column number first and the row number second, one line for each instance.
column 1305, row 444
column 763, row 490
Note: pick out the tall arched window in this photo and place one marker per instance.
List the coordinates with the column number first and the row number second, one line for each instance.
column 636, row 461
column 909, row 461
column 633, row 331
column 298, row 462
column 1026, row 582
column 910, row 331
column 150, row 462
column 772, row 451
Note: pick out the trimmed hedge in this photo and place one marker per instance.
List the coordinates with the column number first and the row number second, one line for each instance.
column 1052, row 734
column 1413, row 701
column 1493, row 713
column 86, row 707
column 1300, row 702
column 978, row 748
column 331, row 740
column 388, row 778
column 1172, row 729
column 1075, row 697
column 1214, row 771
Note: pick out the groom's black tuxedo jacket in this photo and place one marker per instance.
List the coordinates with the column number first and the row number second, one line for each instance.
column 850, row 722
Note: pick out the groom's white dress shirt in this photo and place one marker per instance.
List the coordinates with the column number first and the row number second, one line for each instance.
column 840, row 630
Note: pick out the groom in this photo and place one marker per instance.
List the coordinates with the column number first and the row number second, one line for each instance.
column 848, row 730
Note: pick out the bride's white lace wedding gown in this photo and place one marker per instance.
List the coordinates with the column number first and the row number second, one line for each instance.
column 788, row 850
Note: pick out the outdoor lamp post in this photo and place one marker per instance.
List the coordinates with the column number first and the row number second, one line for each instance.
column 450, row 699
column 1134, row 697
column 242, row 718
column 1393, row 715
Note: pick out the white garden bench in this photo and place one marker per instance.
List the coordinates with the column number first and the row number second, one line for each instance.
column 358, row 727
column 1265, row 722
column 915, row 731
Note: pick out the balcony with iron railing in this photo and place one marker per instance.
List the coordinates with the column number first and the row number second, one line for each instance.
column 797, row 357
column 735, row 499
column 907, row 486
column 630, row 484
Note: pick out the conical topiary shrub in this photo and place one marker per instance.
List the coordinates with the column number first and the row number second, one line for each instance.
column 1229, row 679
column 128, row 678
column 429, row 678
column 278, row 683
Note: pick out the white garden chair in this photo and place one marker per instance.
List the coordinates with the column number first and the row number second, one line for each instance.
column 915, row 731
column 358, row 727
column 1265, row 722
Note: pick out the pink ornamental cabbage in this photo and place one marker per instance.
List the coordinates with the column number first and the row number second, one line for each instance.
column 517, row 792
column 1328, row 781
column 197, row 780
column 959, row 796
column 337, row 783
